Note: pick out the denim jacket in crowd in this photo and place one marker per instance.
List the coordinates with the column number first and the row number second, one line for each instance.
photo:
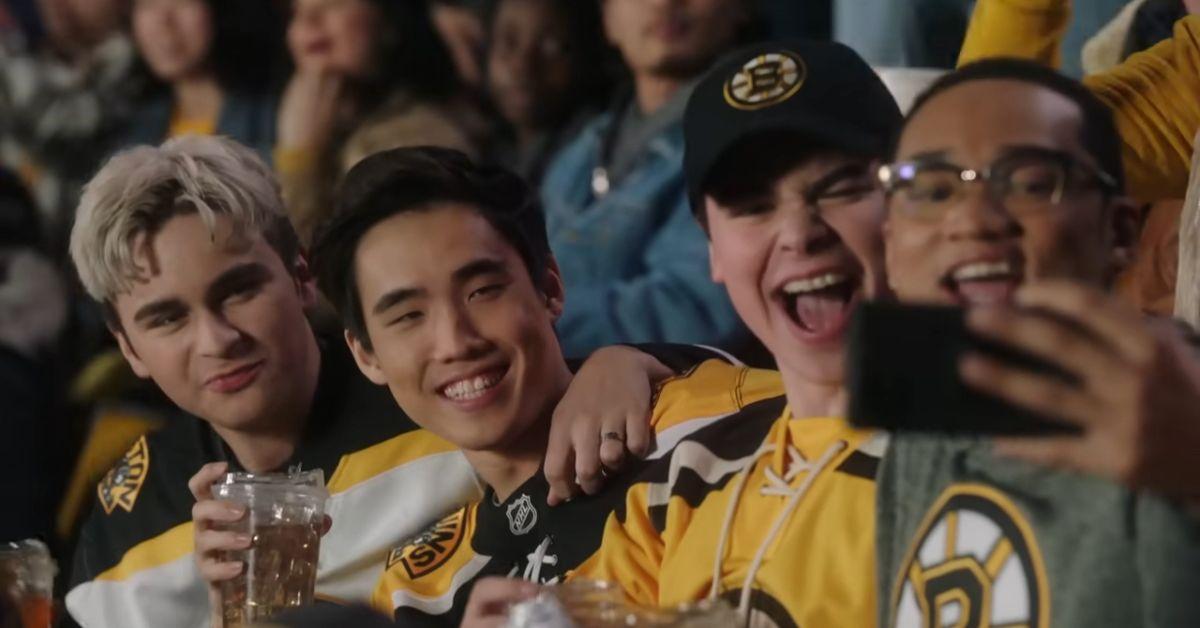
column 246, row 118
column 635, row 261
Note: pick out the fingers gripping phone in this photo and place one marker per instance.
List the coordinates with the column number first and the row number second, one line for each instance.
column 902, row 375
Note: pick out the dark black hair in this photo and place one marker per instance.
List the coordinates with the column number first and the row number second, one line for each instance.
column 1098, row 134
column 414, row 179
column 409, row 54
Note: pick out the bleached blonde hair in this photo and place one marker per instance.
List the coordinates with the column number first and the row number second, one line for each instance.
column 139, row 189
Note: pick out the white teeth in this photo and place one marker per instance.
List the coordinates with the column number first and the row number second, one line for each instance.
column 471, row 388
column 813, row 284
column 982, row 270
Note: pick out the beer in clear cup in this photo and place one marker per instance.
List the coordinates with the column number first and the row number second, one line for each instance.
column 284, row 516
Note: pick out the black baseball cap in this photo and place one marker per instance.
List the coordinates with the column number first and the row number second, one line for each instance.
column 817, row 89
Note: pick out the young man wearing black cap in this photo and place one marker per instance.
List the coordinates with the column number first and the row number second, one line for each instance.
column 773, row 509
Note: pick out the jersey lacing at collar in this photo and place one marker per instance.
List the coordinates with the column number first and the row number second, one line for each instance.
column 534, row 563
column 774, row 486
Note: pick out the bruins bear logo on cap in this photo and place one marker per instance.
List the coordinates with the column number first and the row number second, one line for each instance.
column 122, row 483
column 765, row 80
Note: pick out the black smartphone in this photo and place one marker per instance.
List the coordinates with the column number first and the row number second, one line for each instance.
column 902, row 375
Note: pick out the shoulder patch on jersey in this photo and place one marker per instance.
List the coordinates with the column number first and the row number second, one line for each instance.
column 122, row 484
column 430, row 549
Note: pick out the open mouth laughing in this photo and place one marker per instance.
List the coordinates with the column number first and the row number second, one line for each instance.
column 984, row 282
column 819, row 305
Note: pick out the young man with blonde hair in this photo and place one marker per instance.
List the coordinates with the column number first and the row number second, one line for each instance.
column 189, row 250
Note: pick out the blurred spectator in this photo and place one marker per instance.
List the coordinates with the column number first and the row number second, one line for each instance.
column 547, row 74
column 1139, row 25
column 215, row 66
column 370, row 75
column 912, row 33
column 1152, row 93
column 1149, row 280
column 32, row 315
column 633, row 258
column 461, row 26
column 788, row 19
column 1154, row 22
column 1108, row 47
column 65, row 93
column 1089, row 17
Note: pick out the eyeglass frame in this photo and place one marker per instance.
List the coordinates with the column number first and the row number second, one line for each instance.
column 890, row 182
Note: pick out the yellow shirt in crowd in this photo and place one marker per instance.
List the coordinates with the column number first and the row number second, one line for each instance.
column 1154, row 95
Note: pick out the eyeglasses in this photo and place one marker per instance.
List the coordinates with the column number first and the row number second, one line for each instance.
column 1025, row 181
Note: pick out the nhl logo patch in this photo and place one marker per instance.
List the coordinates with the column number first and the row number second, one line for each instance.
column 765, row 80
column 430, row 549
column 122, row 484
column 522, row 516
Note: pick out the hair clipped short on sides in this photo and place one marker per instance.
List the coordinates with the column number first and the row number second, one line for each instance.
column 138, row 190
column 406, row 180
column 1098, row 134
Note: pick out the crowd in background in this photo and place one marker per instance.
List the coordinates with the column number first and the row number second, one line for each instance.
column 583, row 100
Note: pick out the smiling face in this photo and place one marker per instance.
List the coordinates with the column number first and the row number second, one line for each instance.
column 173, row 36
column 218, row 323
column 458, row 330
column 530, row 62
column 979, row 250
column 794, row 274
column 333, row 35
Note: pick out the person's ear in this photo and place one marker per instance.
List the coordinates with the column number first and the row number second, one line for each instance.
column 1124, row 227
column 714, row 265
column 365, row 358
column 131, row 356
column 306, row 284
column 552, row 288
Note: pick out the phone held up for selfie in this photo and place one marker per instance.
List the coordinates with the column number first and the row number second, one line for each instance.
column 902, row 375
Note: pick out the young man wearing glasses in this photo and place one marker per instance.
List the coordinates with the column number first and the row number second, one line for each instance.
column 992, row 542
column 1007, row 199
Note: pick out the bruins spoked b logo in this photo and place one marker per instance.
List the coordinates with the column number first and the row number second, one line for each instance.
column 425, row 553
column 765, row 80
column 975, row 563
column 122, row 483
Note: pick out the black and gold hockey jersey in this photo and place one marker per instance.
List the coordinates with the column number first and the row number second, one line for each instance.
column 774, row 514
column 428, row 579
column 134, row 566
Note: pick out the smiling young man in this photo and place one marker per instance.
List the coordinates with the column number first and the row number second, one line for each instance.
column 442, row 272
column 189, row 250
column 773, row 509
column 1007, row 191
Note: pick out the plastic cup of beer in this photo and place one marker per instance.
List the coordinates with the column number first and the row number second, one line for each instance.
column 27, row 584
column 284, row 516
